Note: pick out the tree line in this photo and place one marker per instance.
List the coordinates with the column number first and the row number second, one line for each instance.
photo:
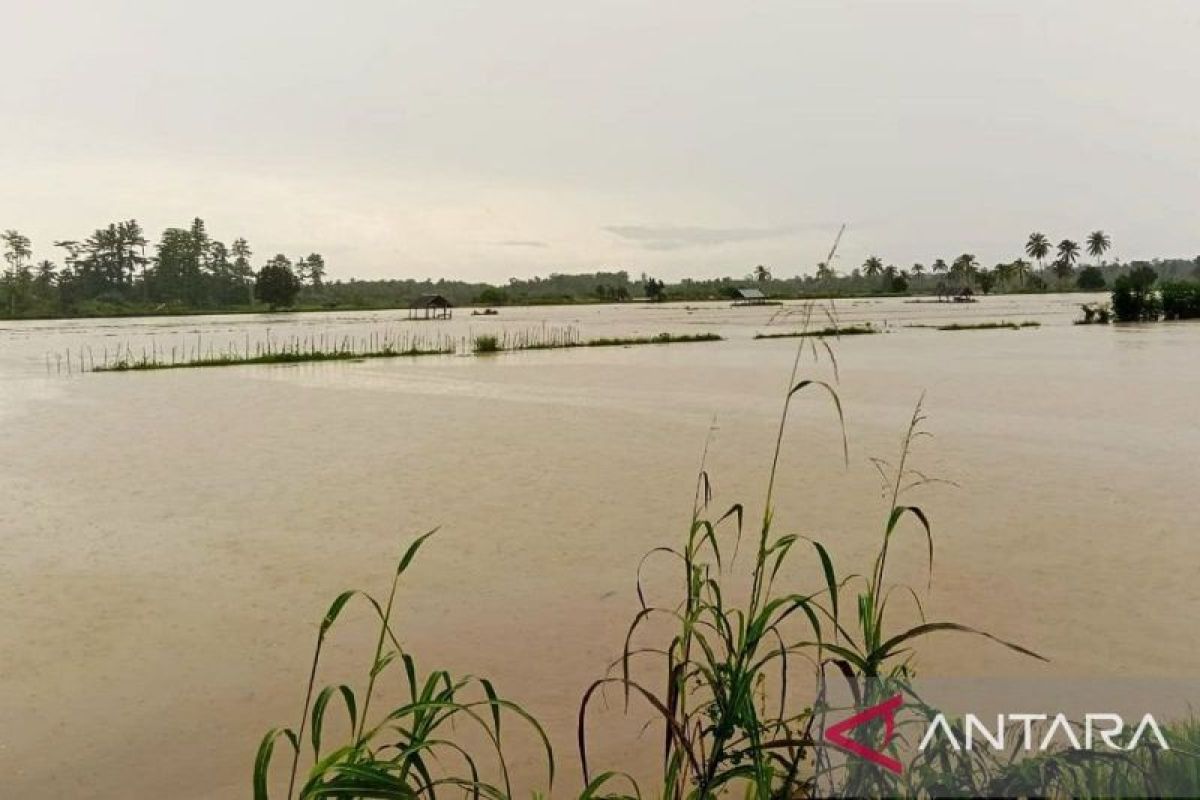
column 116, row 270
column 965, row 272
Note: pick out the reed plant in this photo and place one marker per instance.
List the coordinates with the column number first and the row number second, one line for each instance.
column 408, row 751
column 720, row 684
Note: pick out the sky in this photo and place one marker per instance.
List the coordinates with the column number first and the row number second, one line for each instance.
column 489, row 140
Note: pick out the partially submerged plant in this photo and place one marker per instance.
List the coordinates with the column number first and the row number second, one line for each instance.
column 722, row 727
column 486, row 343
column 1094, row 314
column 410, row 750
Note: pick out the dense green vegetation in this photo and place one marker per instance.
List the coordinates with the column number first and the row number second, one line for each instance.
column 1180, row 299
column 1140, row 297
column 117, row 271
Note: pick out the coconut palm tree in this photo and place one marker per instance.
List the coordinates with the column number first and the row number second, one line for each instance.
column 45, row 272
column 939, row 266
column 1021, row 270
column 1004, row 273
column 1098, row 243
column 1068, row 251
column 761, row 274
column 964, row 267
column 1037, row 247
column 873, row 267
column 918, row 269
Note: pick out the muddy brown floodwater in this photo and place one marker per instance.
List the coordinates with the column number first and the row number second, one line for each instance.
column 169, row 540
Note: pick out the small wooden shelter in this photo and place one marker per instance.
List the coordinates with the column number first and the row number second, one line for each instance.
column 430, row 306
column 750, row 297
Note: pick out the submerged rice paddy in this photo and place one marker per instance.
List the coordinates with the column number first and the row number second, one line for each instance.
column 179, row 534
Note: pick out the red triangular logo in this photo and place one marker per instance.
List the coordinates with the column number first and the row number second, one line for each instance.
column 836, row 734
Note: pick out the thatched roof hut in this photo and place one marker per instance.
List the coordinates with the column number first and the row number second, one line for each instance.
column 430, row 306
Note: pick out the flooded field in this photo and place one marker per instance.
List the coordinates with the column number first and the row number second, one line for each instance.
column 170, row 540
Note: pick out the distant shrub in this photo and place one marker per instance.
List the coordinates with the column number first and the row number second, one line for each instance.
column 486, row 344
column 1180, row 299
column 1094, row 314
column 1091, row 279
column 1133, row 297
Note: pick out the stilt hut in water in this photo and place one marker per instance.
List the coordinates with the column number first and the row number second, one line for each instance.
column 750, row 297
column 430, row 306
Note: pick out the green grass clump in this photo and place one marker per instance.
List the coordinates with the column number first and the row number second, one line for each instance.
column 408, row 751
column 486, row 344
column 988, row 326
column 833, row 331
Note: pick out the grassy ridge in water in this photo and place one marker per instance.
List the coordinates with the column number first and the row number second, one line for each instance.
column 268, row 358
column 988, row 326
column 850, row 330
column 310, row 349
column 492, row 344
column 661, row 338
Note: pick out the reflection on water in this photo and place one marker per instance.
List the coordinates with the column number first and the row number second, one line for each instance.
column 168, row 539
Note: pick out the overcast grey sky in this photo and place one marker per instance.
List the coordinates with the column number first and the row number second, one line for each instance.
column 493, row 139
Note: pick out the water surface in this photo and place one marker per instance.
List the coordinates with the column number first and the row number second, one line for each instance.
column 169, row 540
